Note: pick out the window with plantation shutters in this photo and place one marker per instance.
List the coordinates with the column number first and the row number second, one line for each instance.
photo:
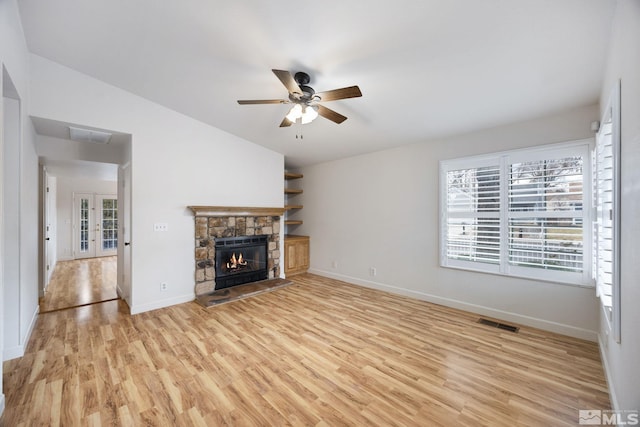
column 606, row 207
column 519, row 213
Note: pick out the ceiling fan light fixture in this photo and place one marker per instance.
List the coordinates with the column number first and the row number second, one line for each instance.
column 310, row 113
column 295, row 113
column 302, row 96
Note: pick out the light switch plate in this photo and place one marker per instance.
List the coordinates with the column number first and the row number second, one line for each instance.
column 160, row 226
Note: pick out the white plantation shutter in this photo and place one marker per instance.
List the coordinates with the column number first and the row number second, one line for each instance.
column 603, row 227
column 545, row 214
column 473, row 222
column 606, row 224
column 518, row 213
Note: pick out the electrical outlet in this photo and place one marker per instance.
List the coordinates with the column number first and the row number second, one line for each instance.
column 372, row 271
column 334, row 264
column 160, row 226
column 163, row 286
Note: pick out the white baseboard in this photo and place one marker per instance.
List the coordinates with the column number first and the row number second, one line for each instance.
column 32, row 325
column 18, row 351
column 533, row 322
column 136, row 309
column 13, row 352
column 607, row 374
column 1, row 404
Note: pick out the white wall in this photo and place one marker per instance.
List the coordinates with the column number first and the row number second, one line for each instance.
column 67, row 186
column 11, row 222
column 14, row 58
column 30, row 232
column 175, row 162
column 622, row 361
column 381, row 210
column 21, row 230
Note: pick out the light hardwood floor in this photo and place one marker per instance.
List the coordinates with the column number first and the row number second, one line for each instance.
column 319, row 352
column 82, row 281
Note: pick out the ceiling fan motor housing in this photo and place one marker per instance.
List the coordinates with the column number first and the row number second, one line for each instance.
column 302, row 78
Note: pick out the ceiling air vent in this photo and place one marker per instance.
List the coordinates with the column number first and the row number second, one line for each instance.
column 86, row 135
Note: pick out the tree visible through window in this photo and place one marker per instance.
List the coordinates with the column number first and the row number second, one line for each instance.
column 109, row 224
column 549, row 233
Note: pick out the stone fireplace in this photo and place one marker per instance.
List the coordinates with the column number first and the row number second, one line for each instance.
column 223, row 234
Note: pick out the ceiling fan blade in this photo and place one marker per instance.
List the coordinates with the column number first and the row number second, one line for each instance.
column 286, row 123
column 261, row 101
column 288, row 81
column 345, row 92
column 328, row 113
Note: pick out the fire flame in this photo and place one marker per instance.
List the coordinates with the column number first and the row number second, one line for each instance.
column 236, row 262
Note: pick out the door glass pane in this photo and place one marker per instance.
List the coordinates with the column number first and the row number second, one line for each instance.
column 84, row 225
column 109, row 224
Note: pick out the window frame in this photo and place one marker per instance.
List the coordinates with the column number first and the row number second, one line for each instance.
column 504, row 159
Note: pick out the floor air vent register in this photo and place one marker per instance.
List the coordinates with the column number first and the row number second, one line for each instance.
column 498, row 325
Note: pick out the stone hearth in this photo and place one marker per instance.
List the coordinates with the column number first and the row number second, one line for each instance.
column 213, row 222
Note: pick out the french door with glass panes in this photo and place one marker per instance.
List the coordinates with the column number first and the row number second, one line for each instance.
column 96, row 225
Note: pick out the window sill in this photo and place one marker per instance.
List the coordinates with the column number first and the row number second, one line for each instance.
column 537, row 278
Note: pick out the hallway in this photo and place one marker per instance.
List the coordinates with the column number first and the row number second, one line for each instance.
column 81, row 282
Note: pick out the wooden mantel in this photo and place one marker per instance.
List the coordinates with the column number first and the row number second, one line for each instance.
column 235, row 211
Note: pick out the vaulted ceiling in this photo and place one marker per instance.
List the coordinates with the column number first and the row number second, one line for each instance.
column 426, row 68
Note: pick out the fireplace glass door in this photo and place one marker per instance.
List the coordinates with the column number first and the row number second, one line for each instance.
column 240, row 260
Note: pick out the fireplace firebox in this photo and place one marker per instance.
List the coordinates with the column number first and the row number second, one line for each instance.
column 240, row 260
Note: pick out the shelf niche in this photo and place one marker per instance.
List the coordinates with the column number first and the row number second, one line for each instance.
column 289, row 176
column 296, row 248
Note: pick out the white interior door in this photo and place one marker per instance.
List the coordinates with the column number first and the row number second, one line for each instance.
column 96, row 225
column 49, row 215
column 45, row 231
column 124, row 256
column 84, row 227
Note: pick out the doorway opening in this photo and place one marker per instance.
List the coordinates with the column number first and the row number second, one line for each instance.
column 85, row 196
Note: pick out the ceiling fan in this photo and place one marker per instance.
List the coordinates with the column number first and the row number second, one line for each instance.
column 306, row 101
